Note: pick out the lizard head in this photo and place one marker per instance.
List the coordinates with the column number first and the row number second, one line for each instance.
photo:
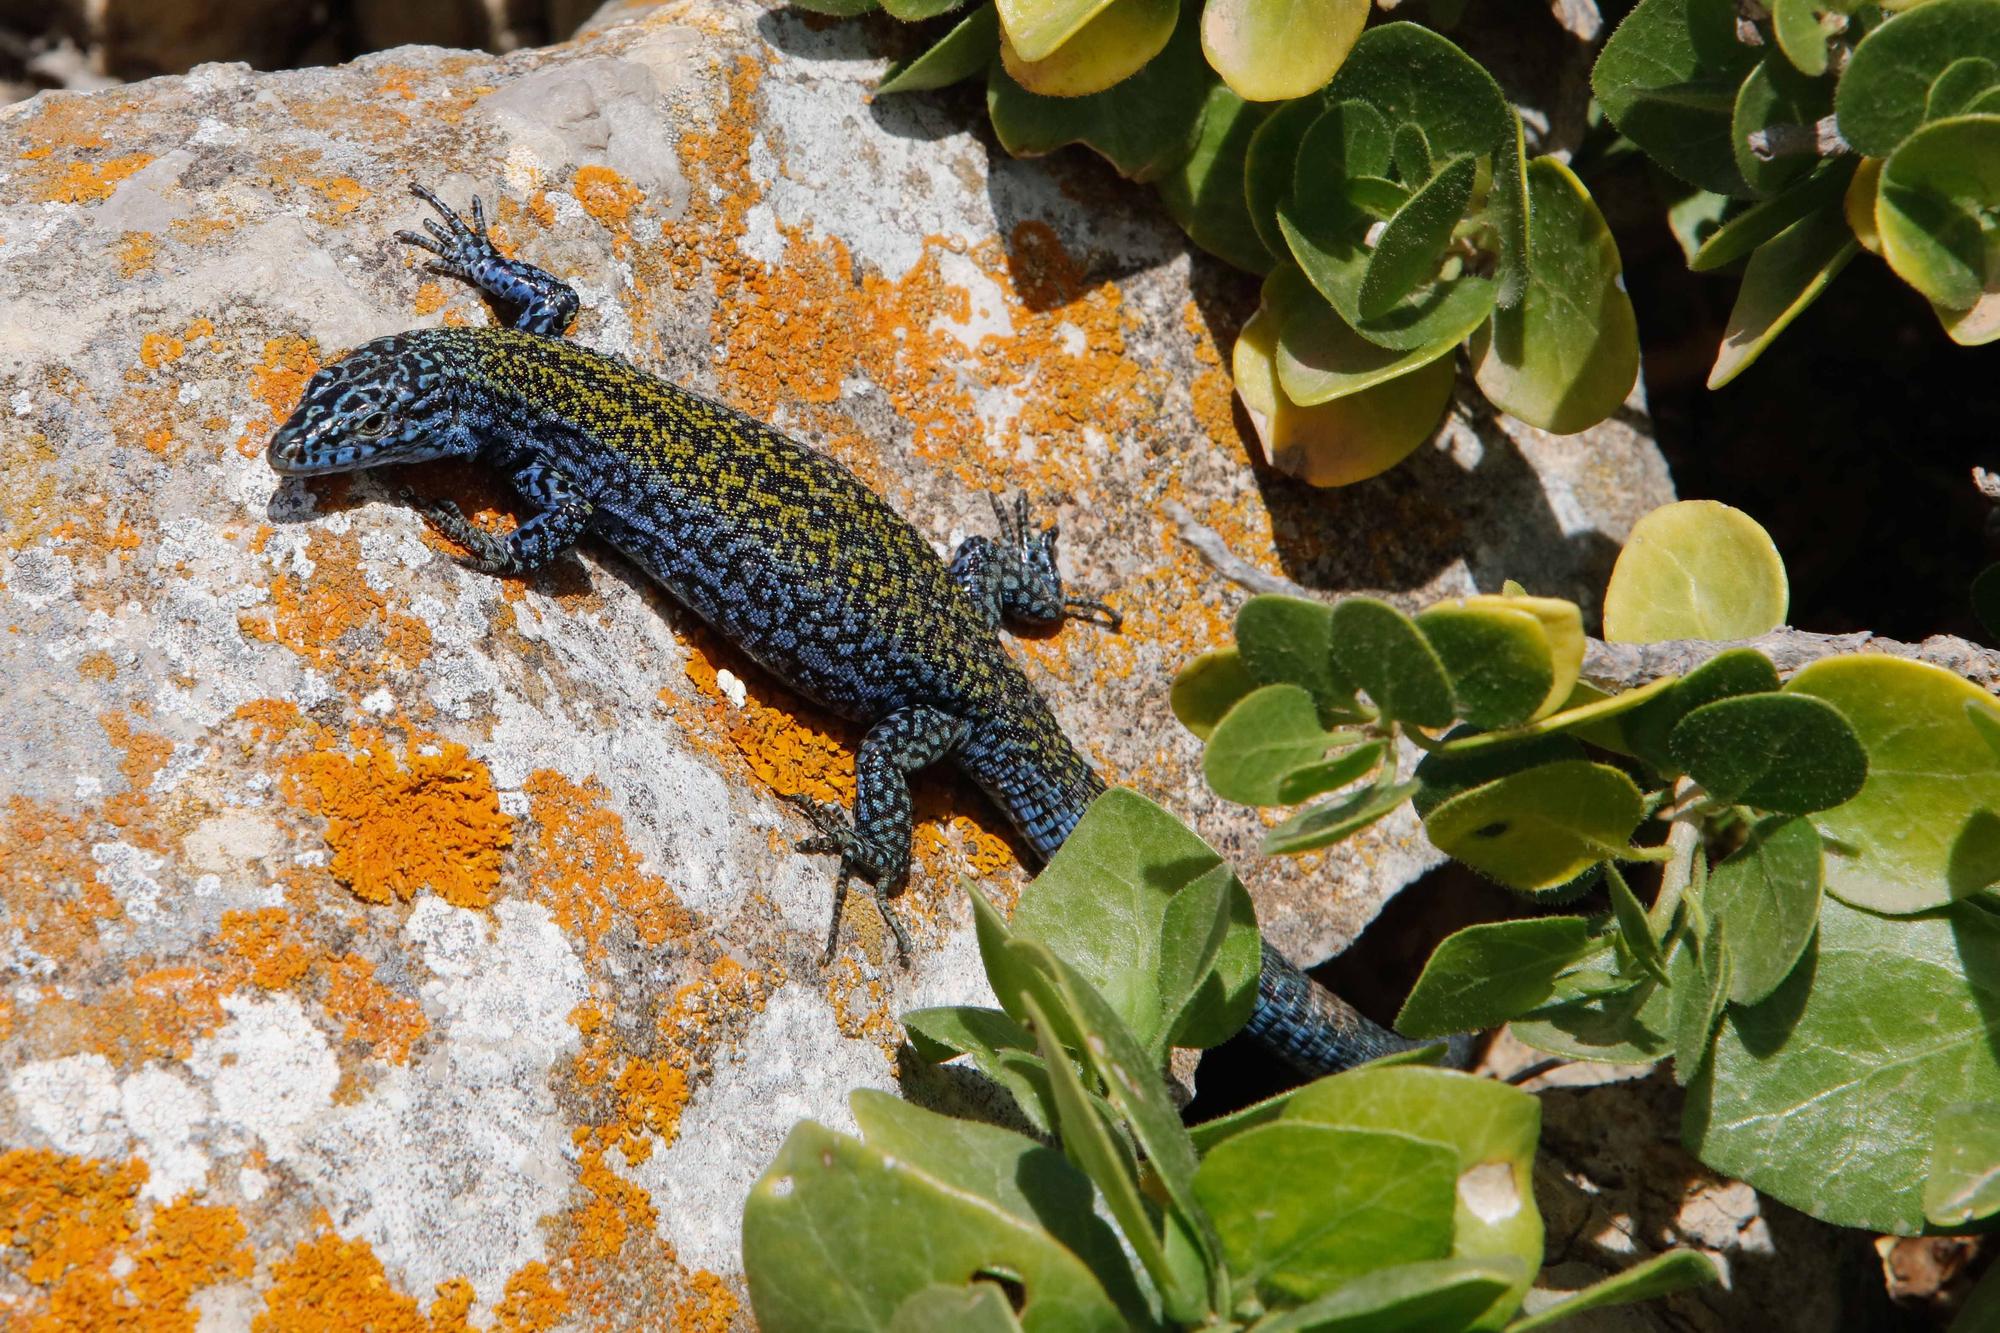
column 387, row 401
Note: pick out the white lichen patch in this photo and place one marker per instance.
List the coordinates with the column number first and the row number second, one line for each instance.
column 271, row 1071
column 791, row 1065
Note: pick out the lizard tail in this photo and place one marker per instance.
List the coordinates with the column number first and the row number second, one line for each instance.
column 1316, row 1032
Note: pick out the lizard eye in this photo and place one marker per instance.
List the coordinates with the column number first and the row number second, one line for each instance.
column 373, row 424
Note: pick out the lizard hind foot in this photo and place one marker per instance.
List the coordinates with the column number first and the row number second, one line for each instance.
column 834, row 835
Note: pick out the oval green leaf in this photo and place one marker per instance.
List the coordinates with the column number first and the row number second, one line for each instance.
column 1787, row 753
column 1272, row 157
column 1566, row 356
column 1964, row 1181
column 1483, row 976
column 1497, row 657
column 1270, row 50
column 1114, row 44
column 1323, row 825
column 1667, row 78
column 1038, row 27
column 1921, row 832
column 1936, row 206
column 1289, row 641
column 1408, row 250
column 1784, row 276
column 1695, row 569
column 1766, row 898
column 1539, row 829
column 1273, row 731
column 1728, row 674
column 1207, row 688
column 961, row 53
column 1321, row 357
column 1885, row 88
column 1383, row 652
column 1888, row 1022
column 1205, row 194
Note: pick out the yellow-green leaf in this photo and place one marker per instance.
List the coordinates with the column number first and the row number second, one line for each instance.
column 1270, row 50
column 1695, row 569
column 1113, row 45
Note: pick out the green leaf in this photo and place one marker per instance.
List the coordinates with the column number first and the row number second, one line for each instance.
column 1034, row 1184
column 1883, row 91
column 1301, row 1207
column 1566, row 356
column 812, row 1261
column 1539, row 829
column 1091, row 1143
column 1965, row 87
column 1727, row 675
column 1321, row 357
column 1195, row 1005
column 1411, row 244
column 1443, row 774
column 951, row 1030
column 1696, row 216
column 1964, row 1181
column 1271, row 733
column 1323, row 825
column 1103, row 904
column 1782, row 752
column 1747, row 230
column 1623, row 1027
column 1207, row 688
column 1289, row 641
column 1410, row 151
column 1699, row 989
column 1484, row 975
column 1662, row 1275
column 1497, row 657
column 1145, row 126
column 1940, row 194
column 961, row 53
column 1490, row 1126
column 1888, row 1023
column 1302, row 784
column 1667, row 78
column 1766, row 898
column 1335, row 443
column 1381, row 650
column 1633, row 927
column 1117, row 41
column 1413, row 76
column 1436, row 1296
column 845, row 9
column 1038, row 27
column 1205, row 194
column 1775, row 94
column 979, row 1308
column 1981, row 1311
column 1267, row 174
column 1695, row 569
column 916, row 11
column 1795, row 23
column 1270, row 50
column 1785, row 275
column 1922, row 831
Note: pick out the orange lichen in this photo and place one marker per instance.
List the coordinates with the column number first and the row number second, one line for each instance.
column 343, row 192
column 582, row 866
column 162, row 1014
column 145, row 752
column 606, row 196
column 617, row 1209
column 651, row 1096
column 330, row 1285
column 48, row 882
column 158, row 349
column 27, row 488
column 70, row 1228
column 268, row 947
column 277, row 382
column 781, row 745
column 136, row 251
column 532, row 1303
column 52, row 182
column 390, row 1023
column 396, row 825
column 708, row 1307
column 689, row 1019
column 430, row 298
column 336, row 620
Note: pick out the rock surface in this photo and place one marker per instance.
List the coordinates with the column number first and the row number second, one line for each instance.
column 384, row 938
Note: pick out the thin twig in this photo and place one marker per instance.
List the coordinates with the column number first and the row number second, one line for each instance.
column 1624, row 666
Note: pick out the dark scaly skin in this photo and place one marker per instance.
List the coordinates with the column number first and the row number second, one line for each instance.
column 778, row 547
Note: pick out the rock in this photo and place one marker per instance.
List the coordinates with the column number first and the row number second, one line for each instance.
column 390, row 937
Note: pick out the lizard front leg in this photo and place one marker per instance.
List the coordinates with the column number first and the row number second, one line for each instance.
column 1016, row 578
column 563, row 514
column 876, row 846
column 543, row 302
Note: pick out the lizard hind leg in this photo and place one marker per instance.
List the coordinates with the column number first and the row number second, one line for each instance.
column 543, row 303
column 1015, row 578
column 875, row 846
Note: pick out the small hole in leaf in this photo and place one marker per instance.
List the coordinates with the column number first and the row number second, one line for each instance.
column 1494, row 830
column 1010, row 1285
column 781, row 1188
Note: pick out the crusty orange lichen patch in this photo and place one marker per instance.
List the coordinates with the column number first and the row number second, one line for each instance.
column 782, row 745
column 331, row 1285
column 136, row 252
column 532, row 1303
column 337, row 620
column 617, row 1209
column 582, row 866
column 651, row 1096
column 697, row 1008
column 70, row 1228
column 278, row 381
column 48, row 883
column 88, row 182
column 267, row 946
column 27, row 487
column 708, row 1306
column 606, row 196
column 400, row 823
column 369, row 1011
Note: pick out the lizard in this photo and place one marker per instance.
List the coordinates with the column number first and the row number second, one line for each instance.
column 779, row 547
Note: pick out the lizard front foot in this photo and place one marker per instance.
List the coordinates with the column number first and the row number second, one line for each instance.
column 488, row 553
column 860, row 858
